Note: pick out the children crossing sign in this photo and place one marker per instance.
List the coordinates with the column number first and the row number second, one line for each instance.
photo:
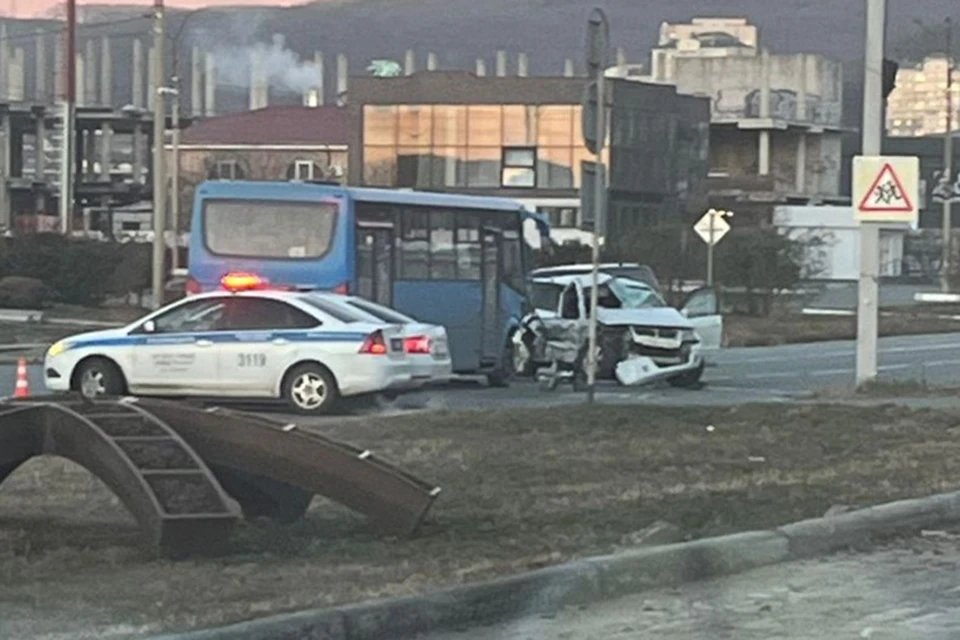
column 886, row 188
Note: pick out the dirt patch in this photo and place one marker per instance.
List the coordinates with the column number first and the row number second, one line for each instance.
column 747, row 331
column 521, row 490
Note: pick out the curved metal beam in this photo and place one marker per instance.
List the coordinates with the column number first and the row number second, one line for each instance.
column 286, row 453
column 174, row 497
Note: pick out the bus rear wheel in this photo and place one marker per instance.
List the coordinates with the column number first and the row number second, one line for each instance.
column 503, row 374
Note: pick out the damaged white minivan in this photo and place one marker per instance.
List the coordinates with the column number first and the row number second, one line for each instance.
column 640, row 338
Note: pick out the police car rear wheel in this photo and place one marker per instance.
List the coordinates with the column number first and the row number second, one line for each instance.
column 99, row 377
column 310, row 389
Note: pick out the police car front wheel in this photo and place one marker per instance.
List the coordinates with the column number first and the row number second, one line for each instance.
column 310, row 388
column 98, row 377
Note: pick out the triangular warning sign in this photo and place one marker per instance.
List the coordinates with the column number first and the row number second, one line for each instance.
column 886, row 194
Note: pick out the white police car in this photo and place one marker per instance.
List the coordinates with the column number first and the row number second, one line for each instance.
column 245, row 341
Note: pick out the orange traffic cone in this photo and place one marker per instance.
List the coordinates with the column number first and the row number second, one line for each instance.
column 23, row 385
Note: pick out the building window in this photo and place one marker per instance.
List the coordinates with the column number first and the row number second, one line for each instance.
column 555, row 168
column 519, row 167
column 414, row 126
column 304, row 170
column 483, row 167
column 226, row 170
column 560, row 217
column 379, row 125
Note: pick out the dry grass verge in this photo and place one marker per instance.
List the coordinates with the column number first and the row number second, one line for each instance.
column 522, row 489
column 747, row 331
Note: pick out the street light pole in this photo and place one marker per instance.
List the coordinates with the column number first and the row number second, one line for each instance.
column 159, row 159
column 948, row 165
column 69, row 120
column 872, row 131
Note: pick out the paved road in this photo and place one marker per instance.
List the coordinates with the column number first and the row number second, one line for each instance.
column 843, row 295
column 737, row 375
column 907, row 589
column 934, row 359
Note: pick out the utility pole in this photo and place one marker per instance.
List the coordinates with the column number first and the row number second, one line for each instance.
column 174, row 92
column 175, row 175
column 948, row 165
column 159, row 159
column 69, row 121
column 598, row 43
column 867, row 312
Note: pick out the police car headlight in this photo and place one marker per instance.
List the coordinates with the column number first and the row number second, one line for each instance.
column 56, row 349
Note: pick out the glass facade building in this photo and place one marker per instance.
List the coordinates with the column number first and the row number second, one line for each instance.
column 520, row 137
column 439, row 146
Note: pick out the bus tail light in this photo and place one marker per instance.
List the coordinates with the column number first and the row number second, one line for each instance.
column 343, row 288
column 192, row 287
column 417, row 345
column 374, row 344
column 240, row 281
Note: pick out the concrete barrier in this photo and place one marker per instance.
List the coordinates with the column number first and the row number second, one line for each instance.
column 545, row 591
column 674, row 564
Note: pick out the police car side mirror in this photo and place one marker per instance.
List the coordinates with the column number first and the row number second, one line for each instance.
column 149, row 326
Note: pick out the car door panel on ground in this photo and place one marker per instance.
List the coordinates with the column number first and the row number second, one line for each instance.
column 178, row 351
column 265, row 343
column 703, row 310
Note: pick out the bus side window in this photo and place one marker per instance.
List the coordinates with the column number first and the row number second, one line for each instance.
column 468, row 246
column 443, row 258
column 513, row 274
column 414, row 244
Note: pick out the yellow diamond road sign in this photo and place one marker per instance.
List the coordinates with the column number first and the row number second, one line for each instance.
column 720, row 226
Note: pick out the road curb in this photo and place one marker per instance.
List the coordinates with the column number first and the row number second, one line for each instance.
column 545, row 591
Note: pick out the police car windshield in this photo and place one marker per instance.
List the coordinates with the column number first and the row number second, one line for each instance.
column 340, row 312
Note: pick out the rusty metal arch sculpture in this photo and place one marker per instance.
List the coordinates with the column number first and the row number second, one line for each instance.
column 186, row 473
column 159, row 478
column 271, row 466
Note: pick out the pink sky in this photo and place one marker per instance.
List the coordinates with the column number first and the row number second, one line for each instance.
column 30, row 8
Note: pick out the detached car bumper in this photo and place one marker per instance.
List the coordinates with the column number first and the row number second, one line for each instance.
column 638, row 368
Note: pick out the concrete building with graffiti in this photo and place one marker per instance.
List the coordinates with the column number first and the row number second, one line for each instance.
column 775, row 133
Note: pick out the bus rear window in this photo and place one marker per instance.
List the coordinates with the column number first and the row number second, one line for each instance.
column 268, row 229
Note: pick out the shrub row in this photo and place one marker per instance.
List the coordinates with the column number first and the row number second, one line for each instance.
column 83, row 272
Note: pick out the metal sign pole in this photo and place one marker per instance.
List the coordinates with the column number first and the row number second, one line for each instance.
column 713, row 217
column 867, row 312
column 948, row 166
column 159, row 159
column 596, row 59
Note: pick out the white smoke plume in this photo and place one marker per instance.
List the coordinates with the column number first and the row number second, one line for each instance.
column 281, row 67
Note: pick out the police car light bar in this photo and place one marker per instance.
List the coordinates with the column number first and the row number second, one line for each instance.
column 240, row 281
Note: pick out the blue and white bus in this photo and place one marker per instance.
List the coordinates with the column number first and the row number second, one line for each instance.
column 456, row 261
